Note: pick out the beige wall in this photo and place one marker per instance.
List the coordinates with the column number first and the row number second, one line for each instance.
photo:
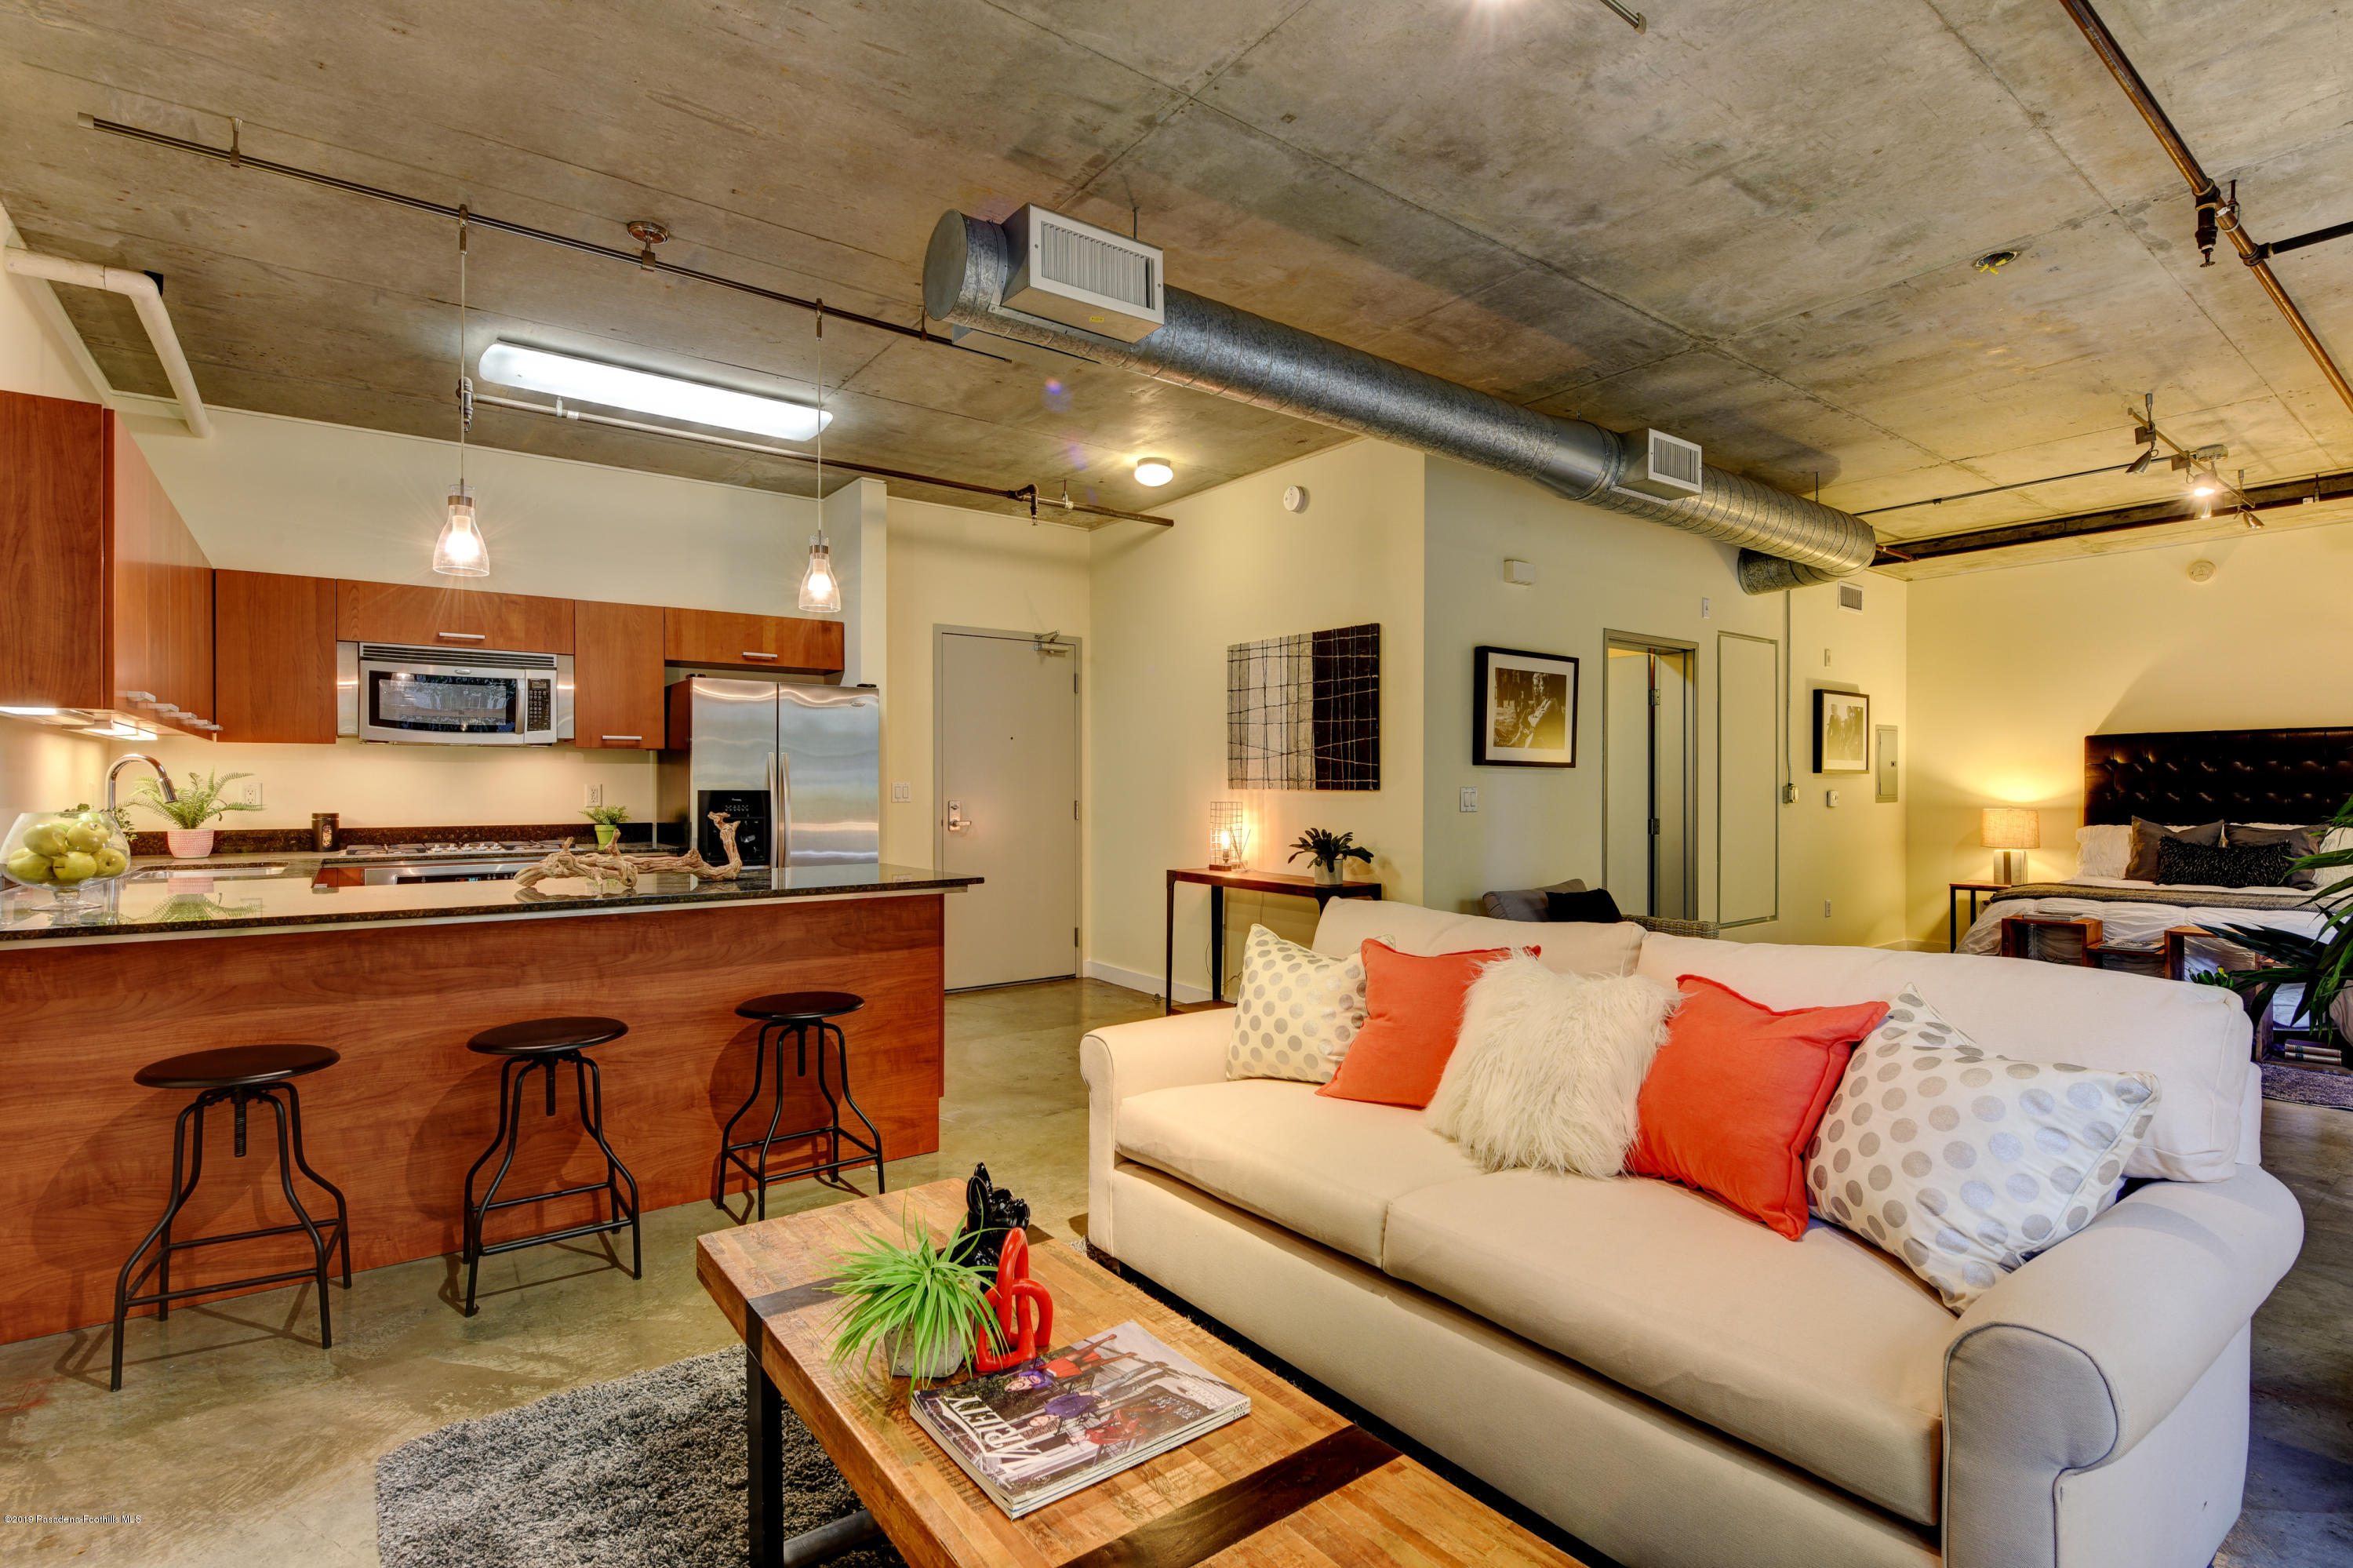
column 2012, row 669
column 1167, row 602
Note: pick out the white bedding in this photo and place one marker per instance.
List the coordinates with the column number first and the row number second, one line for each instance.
column 2140, row 925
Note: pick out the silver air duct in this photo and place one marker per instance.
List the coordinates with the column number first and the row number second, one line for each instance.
column 1785, row 541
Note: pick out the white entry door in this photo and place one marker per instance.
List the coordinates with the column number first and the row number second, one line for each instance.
column 1007, row 797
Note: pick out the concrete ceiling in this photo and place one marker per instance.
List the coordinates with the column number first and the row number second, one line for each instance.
column 1752, row 225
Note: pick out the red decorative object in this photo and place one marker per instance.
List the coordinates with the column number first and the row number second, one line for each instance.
column 1025, row 1312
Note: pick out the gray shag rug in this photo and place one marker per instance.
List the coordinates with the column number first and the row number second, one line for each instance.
column 647, row 1471
column 2307, row 1085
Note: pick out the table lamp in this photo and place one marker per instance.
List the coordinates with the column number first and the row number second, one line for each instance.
column 1228, row 836
column 2012, row 830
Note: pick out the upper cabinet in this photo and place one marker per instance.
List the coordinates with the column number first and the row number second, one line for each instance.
column 617, row 697
column 751, row 642
column 110, row 598
column 452, row 617
column 274, row 657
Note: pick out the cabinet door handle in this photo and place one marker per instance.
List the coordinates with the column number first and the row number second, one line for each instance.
column 749, row 653
column 620, row 738
column 460, row 636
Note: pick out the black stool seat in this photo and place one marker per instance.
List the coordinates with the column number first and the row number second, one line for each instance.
column 542, row 1036
column 235, row 1067
column 800, row 1006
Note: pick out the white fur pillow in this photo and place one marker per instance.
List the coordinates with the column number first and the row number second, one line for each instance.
column 1546, row 1067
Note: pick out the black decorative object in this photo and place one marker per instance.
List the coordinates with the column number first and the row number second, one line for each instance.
column 989, row 1212
column 1522, row 709
column 1304, row 712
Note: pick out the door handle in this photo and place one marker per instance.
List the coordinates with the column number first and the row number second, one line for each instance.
column 460, row 636
column 957, row 821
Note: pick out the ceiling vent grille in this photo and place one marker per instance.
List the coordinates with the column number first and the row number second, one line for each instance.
column 1081, row 276
column 1665, row 466
column 1850, row 597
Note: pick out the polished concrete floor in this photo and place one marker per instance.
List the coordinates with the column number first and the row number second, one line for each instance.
column 236, row 1443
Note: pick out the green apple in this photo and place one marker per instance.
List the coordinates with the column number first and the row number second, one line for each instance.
column 73, row 866
column 25, row 866
column 111, row 862
column 86, row 835
column 47, row 839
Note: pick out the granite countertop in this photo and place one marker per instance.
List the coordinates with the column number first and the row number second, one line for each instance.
column 240, row 892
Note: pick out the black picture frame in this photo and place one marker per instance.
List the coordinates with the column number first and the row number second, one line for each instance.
column 1546, row 681
column 1841, row 731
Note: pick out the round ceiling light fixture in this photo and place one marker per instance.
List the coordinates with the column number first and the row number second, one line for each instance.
column 1154, row 471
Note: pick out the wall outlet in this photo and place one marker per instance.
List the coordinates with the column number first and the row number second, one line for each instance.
column 1789, row 794
column 1469, row 800
column 901, row 793
column 1826, row 908
column 594, row 795
column 251, row 791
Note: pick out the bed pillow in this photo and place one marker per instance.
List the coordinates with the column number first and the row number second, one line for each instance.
column 1546, row 1070
column 2182, row 864
column 1296, row 1011
column 1965, row 1164
column 1736, row 1093
column 1524, row 903
column 1413, row 1016
column 2104, row 848
column 2147, row 835
column 2300, row 841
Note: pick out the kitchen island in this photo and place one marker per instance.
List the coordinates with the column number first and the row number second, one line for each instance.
column 397, row 979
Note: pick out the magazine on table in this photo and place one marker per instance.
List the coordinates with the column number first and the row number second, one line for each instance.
column 1074, row 1416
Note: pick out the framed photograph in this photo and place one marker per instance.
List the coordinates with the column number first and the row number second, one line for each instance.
column 1523, row 709
column 1842, row 731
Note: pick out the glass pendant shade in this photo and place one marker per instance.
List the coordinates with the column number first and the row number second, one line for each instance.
column 820, row 589
column 459, row 552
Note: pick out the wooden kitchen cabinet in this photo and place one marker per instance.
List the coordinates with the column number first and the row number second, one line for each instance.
column 274, row 657
column 451, row 617
column 111, row 599
column 751, row 642
column 617, row 676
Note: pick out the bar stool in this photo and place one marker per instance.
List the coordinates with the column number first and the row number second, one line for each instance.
column 798, row 1012
column 529, row 1047
column 237, row 1076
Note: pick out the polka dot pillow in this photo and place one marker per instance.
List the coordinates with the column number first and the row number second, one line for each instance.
column 1965, row 1164
column 1296, row 1011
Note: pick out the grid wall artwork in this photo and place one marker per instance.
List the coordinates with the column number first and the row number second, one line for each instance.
column 1304, row 712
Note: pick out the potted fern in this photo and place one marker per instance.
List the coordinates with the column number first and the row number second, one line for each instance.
column 1328, row 850
column 2320, row 965
column 197, row 801
column 909, row 1302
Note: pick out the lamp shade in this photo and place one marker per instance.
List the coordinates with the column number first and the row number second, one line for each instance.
column 2011, row 828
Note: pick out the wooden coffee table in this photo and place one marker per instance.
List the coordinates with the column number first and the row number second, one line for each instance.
column 1290, row 1483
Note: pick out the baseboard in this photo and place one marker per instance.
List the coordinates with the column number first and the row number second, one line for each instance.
column 1133, row 980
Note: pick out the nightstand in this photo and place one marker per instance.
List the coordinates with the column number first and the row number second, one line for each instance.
column 1975, row 890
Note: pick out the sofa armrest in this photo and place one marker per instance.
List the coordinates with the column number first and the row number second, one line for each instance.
column 1134, row 1059
column 2068, row 1363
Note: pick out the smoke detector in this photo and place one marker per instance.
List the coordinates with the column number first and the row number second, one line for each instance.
column 1081, row 276
column 1664, row 466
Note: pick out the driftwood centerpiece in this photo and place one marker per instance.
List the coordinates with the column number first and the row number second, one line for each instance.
column 607, row 870
column 692, row 863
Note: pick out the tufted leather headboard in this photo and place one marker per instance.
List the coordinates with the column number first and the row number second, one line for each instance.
column 2199, row 775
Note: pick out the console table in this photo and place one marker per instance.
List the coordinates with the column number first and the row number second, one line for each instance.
column 1218, row 882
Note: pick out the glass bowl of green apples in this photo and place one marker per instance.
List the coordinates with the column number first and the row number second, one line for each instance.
column 72, row 854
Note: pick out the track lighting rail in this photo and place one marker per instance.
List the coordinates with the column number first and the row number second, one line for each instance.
column 2280, row 247
column 2255, row 498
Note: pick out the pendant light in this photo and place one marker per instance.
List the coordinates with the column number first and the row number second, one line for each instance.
column 820, row 588
column 459, row 552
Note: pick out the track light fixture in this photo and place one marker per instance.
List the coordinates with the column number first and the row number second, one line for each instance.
column 459, row 551
column 820, row 588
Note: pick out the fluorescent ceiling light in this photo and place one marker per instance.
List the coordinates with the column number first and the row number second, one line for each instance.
column 30, row 712
column 615, row 386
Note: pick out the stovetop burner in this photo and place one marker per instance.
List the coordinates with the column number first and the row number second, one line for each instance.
column 484, row 846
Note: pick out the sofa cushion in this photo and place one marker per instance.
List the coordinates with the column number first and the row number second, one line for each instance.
column 2194, row 1038
column 1326, row 1169
column 1413, row 1015
column 1582, row 949
column 1825, row 1351
column 1295, row 1012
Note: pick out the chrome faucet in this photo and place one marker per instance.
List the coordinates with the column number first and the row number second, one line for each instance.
column 115, row 772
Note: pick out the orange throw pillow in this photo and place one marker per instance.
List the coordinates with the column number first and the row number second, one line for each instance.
column 1734, row 1094
column 1413, row 1011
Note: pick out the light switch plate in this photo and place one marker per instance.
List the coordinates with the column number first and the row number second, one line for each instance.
column 901, row 793
column 594, row 795
column 1469, row 800
column 1830, row 797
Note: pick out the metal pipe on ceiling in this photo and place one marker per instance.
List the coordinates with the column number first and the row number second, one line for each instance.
column 1785, row 541
column 1025, row 495
column 2213, row 210
column 147, row 299
column 2256, row 498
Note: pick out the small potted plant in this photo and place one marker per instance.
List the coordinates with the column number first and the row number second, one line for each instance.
column 608, row 821
column 199, row 801
column 912, row 1302
column 1328, row 850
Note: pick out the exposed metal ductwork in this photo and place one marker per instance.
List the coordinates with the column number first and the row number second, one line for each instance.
column 1785, row 541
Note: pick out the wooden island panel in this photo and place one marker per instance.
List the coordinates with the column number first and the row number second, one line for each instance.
column 85, row 1169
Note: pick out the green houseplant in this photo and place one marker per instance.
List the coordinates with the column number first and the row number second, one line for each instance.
column 910, row 1301
column 1328, row 850
column 608, row 821
column 198, row 801
column 2321, row 964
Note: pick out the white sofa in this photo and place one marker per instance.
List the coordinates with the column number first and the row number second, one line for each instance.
column 1678, row 1385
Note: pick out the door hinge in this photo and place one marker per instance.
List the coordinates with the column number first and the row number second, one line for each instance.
column 1654, row 827
column 1074, row 935
column 1654, row 697
column 1074, row 810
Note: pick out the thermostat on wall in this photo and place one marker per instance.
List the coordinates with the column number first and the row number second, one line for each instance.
column 1520, row 572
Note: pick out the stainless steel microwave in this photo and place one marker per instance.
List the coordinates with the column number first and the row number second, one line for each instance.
column 449, row 696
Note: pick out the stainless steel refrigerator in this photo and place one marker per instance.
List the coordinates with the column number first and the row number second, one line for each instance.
column 799, row 767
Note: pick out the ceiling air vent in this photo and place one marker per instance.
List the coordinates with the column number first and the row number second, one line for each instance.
column 1083, row 277
column 1850, row 597
column 1663, row 465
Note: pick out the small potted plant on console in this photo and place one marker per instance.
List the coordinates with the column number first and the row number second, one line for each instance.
column 199, row 801
column 1328, row 850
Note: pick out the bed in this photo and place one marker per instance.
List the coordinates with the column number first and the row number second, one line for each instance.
column 2182, row 778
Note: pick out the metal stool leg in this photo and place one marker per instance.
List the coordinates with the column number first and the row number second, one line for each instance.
column 591, row 1083
column 727, row 1133
column 841, row 1048
column 776, row 1111
column 319, row 1248
column 302, row 1163
column 511, row 1124
column 124, row 1285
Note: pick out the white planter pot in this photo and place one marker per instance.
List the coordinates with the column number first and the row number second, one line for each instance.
column 190, row 843
column 943, row 1364
column 1328, row 874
